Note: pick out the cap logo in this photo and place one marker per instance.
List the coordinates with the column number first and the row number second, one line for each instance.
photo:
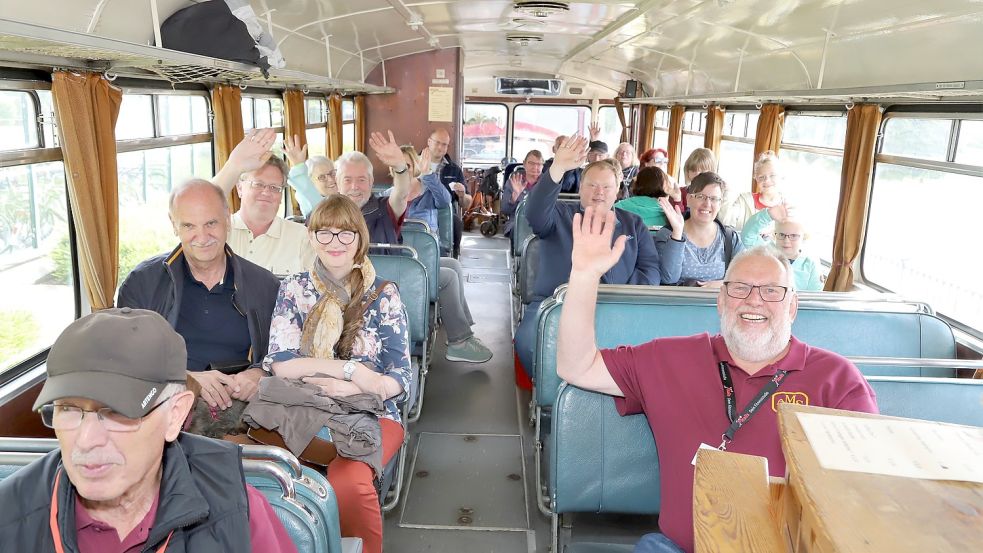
column 146, row 400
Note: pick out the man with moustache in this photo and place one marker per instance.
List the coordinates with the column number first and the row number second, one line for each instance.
column 220, row 303
column 552, row 221
column 680, row 382
column 124, row 476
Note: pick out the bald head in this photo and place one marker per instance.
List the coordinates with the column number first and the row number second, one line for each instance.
column 438, row 143
column 200, row 216
column 194, row 190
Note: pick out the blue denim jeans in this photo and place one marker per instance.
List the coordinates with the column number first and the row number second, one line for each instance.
column 656, row 543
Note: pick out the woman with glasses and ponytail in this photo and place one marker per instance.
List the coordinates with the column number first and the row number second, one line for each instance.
column 342, row 329
column 708, row 244
column 788, row 236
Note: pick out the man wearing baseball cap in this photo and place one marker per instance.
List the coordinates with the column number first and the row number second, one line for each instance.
column 597, row 150
column 125, row 478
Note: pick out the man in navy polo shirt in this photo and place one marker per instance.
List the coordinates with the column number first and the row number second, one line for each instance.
column 219, row 302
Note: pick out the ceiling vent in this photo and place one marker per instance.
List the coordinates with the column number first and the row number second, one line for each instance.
column 523, row 39
column 575, row 90
column 540, row 8
column 528, row 87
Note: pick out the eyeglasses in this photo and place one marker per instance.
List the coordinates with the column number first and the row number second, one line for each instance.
column 660, row 161
column 324, row 177
column 711, row 199
column 260, row 186
column 768, row 292
column 782, row 236
column 69, row 417
column 770, row 176
column 325, row 236
column 439, row 143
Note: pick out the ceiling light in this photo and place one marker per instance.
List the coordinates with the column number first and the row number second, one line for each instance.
column 540, row 8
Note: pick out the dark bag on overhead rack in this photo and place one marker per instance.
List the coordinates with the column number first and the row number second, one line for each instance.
column 211, row 29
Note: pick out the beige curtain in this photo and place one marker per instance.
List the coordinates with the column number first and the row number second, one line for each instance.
column 675, row 137
column 714, row 130
column 294, row 124
column 360, row 123
column 227, row 105
column 862, row 124
column 769, row 134
column 86, row 108
column 646, row 135
column 334, row 126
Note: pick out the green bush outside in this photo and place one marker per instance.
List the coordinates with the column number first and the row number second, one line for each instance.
column 18, row 331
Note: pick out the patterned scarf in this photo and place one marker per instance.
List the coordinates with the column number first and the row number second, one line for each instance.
column 324, row 324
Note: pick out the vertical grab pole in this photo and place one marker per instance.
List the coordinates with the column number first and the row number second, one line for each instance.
column 156, row 20
column 327, row 51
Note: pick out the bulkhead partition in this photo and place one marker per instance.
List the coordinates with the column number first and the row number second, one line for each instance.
column 848, row 324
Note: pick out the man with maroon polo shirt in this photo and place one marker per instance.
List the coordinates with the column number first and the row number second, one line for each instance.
column 682, row 383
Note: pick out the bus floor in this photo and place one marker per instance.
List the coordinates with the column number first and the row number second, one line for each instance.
column 470, row 471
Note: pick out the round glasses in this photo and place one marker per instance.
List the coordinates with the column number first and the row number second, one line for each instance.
column 768, row 292
column 782, row 236
column 325, row 236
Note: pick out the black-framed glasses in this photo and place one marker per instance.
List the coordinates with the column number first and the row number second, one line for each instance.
column 325, row 176
column 325, row 236
column 712, row 199
column 69, row 417
column 768, row 292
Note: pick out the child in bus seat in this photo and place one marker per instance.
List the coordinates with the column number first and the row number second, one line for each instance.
column 787, row 234
column 768, row 177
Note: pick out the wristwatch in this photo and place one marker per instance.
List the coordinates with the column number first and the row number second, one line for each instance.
column 400, row 172
column 349, row 370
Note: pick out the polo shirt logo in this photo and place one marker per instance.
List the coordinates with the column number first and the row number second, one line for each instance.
column 798, row 398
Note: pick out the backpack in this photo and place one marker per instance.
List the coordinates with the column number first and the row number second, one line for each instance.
column 210, row 29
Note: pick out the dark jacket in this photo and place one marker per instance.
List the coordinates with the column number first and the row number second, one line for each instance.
column 380, row 223
column 202, row 498
column 570, row 183
column 451, row 172
column 552, row 221
column 156, row 284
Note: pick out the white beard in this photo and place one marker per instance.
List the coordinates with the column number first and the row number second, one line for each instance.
column 755, row 347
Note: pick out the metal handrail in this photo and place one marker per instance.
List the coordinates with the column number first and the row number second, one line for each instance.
column 266, row 468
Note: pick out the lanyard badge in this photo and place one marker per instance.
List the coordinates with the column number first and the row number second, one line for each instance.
column 730, row 402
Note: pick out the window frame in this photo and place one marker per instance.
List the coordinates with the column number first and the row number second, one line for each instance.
column 45, row 153
column 253, row 96
column 957, row 114
column 511, row 127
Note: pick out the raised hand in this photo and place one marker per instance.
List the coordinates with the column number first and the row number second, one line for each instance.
column 593, row 252
column 779, row 212
column 570, row 154
column 425, row 157
column 595, row 130
column 387, row 150
column 518, row 182
column 253, row 151
column 295, row 153
column 674, row 217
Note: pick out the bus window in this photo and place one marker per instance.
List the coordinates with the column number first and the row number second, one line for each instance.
column 317, row 127
column 969, row 150
column 736, row 157
column 660, row 139
column 812, row 158
column 904, row 251
column 263, row 113
column 136, row 117
column 694, row 129
column 347, row 125
column 485, row 127
column 607, row 117
column 149, row 169
column 537, row 126
column 36, row 267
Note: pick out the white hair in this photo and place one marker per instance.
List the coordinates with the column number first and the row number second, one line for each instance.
column 350, row 158
column 317, row 161
column 769, row 251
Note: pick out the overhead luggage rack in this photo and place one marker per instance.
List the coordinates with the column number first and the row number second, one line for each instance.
column 35, row 45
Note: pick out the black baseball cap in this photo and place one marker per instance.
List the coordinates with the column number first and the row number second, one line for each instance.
column 121, row 358
column 598, row 146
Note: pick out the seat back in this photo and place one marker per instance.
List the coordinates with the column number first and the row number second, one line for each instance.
column 301, row 522
column 520, row 229
column 636, row 314
column 428, row 252
column 601, row 461
column 416, row 224
column 445, row 230
column 951, row 400
column 529, row 268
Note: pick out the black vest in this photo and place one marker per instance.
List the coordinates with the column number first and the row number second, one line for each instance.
column 381, row 227
column 202, row 498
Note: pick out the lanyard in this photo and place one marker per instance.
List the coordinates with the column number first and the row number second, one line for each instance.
column 730, row 402
column 53, row 520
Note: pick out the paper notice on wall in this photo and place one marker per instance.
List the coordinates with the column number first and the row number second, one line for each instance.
column 441, row 104
column 909, row 449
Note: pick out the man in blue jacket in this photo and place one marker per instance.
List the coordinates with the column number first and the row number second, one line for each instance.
column 552, row 222
column 449, row 172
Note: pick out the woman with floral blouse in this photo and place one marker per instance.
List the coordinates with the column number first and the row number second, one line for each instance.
column 342, row 323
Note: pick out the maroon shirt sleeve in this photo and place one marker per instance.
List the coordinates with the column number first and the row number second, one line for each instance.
column 622, row 363
column 397, row 221
column 861, row 399
column 266, row 532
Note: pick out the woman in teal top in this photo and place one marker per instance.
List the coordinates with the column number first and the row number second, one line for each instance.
column 788, row 236
column 650, row 185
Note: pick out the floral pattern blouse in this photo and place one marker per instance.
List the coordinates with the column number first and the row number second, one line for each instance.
column 382, row 345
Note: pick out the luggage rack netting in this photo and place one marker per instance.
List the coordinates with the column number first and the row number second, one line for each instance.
column 176, row 74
